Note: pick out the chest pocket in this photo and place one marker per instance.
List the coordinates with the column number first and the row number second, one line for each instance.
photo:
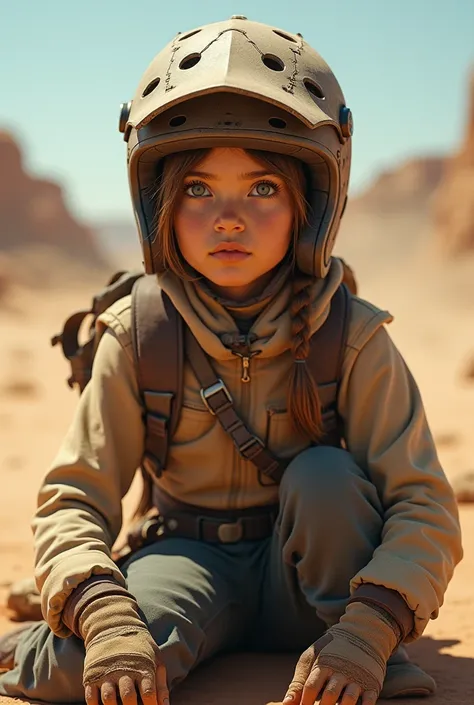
column 281, row 437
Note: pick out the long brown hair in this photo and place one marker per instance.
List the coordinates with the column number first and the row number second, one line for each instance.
column 302, row 398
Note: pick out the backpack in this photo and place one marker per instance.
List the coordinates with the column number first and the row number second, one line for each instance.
column 159, row 337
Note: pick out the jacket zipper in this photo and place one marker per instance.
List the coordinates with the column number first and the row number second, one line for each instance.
column 245, row 361
column 244, row 404
column 245, row 369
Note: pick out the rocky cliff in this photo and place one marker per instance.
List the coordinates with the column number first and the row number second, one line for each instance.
column 407, row 186
column 33, row 212
column 453, row 203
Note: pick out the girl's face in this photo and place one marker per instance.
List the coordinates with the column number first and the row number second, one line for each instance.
column 233, row 221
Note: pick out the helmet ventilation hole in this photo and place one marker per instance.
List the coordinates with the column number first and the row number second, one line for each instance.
column 189, row 34
column 151, row 87
column 314, row 89
column 177, row 120
column 189, row 61
column 273, row 62
column 277, row 122
column 284, row 36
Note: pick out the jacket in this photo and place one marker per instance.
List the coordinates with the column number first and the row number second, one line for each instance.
column 79, row 512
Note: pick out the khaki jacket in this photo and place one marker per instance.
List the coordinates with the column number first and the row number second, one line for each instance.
column 79, row 513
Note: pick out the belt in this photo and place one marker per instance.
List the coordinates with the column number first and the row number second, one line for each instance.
column 212, row 529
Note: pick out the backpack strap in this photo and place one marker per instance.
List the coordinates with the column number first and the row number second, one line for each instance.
column 81, row 355
column 218, row 400
column 157, row 338
column 118, row 286
column 326, row 368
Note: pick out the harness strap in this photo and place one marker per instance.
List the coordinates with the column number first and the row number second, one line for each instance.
column 158, row 341
column 218, row 401
column 157, row 337
column 325, row 358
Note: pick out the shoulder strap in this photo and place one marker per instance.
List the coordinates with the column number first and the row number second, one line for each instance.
column 326, row 368
column 218, row 401
column 157, row 338
column 158, row 343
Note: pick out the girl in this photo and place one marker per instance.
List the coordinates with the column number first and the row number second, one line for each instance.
column 239, row 145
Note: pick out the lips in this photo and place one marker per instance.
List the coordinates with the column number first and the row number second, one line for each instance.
column 230, row 253
column 230, row 247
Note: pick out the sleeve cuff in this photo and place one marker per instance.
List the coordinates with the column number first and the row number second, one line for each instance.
column 389, row 600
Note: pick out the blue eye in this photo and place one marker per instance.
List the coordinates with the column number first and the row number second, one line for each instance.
column 198, row 189
column 262, row 188
column 263, row 185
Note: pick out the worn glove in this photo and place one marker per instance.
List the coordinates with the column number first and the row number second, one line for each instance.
column 120, row 651
column 357, row 648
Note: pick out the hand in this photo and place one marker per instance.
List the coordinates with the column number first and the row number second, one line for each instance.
column 151, row 688
column 350, row 660
column 120, row 653
column 312, row 683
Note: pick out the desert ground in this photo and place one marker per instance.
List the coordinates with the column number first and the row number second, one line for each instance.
column 434, row 310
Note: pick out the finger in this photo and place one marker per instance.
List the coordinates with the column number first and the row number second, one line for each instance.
column 369, row 697
column 91, row 694
column 127, row 690
column 162, row 692
column 333, row 689
column 108, row 693
column 351, row 694
column 315, row 684
column 302, row 671
column 147, row 688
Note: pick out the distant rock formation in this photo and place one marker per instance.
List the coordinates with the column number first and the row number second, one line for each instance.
column 453, row 205
column 33, row 212
column 463, row 488
column 5, row 280
column 408, row 186
column 468, row 372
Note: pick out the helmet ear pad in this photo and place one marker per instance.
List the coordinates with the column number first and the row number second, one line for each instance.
column 316, row 239
column 311, row 239
column 327, row 185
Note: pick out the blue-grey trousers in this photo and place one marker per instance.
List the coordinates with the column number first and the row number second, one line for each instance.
column 200, row 599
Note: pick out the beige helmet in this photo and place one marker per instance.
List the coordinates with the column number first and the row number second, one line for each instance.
column 243, row 84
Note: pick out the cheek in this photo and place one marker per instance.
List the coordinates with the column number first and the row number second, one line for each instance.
column 274, row 225
column 190, row 225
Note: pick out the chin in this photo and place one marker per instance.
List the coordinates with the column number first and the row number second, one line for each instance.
column 230, row 281
column 229, row 278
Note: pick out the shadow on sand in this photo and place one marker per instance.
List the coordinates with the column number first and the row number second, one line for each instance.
column 257, row 679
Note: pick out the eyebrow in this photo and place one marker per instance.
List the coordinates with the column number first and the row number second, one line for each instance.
column 247, row 175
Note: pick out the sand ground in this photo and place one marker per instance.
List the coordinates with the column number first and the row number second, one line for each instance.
column 36, row 407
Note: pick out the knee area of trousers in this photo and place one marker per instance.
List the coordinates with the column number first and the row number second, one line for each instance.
column 320, row 470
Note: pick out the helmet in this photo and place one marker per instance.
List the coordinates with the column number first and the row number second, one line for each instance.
column 243, row 84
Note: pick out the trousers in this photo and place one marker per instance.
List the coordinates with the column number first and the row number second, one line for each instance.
column 201, row 599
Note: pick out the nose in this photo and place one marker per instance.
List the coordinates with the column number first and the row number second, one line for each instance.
column 229, row 223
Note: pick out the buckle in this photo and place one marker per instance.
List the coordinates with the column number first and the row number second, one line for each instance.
column 230, row 532
column 151, row 523
column 211, row 391
column 254, row 442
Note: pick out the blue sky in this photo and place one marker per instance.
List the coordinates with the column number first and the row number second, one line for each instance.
column 66, row 66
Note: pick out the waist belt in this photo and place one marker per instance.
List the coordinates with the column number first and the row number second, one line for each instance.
column 246, row 527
